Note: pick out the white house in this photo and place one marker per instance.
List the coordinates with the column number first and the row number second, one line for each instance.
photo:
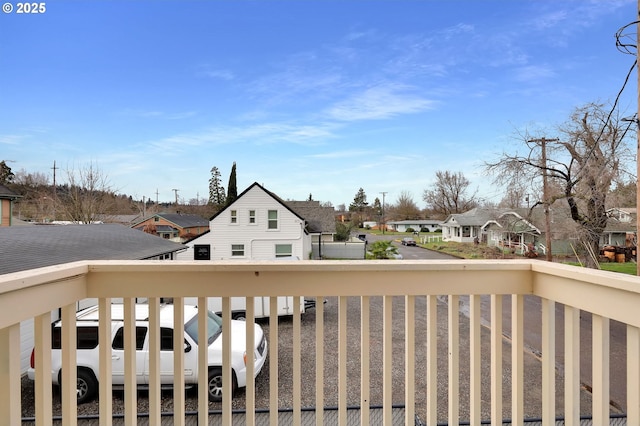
column 258, row 225
column 416, row 225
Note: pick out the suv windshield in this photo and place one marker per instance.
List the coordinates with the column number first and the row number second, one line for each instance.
column 214, row 327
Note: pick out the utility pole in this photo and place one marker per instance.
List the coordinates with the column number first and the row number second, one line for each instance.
column 55, row 195
column 382, row 220
column 545, row 193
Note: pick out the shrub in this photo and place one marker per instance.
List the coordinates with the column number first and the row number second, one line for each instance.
column 410, row 230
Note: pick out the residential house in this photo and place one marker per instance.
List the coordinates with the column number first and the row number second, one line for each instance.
column 258, row 225
column 320, row 220
column 621, row 227
column 7, row 197
column 176, row 227
column 467, row 227
column 24, row 248
column 519, row 228
column 415, row 224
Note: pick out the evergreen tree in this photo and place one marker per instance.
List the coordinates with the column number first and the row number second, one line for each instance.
column 6, row 175
column 232, row 193
column 216, row 190
column 359, row 202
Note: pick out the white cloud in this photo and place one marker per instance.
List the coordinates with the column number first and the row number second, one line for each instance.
column 12, row 139
column 379, row 102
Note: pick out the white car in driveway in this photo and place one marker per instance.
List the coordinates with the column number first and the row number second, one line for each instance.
column 88, row 355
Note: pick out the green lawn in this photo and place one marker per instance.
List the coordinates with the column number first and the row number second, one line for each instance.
column 624, row 268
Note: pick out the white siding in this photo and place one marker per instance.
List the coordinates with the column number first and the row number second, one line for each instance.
column 259, row 241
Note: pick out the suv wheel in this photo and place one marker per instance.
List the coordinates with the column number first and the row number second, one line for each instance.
column 86, row 386
column 214, row 384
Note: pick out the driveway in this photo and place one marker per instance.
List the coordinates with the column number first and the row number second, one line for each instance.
column 409, row 253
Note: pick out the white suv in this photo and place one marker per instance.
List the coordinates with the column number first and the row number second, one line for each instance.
column 88, row 361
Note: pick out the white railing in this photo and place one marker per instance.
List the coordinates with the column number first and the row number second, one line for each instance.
column 474, row 288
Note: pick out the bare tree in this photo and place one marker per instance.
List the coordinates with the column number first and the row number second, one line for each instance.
column 86, row 195
column 405, row 207
column 582, row 164
column 449, row 194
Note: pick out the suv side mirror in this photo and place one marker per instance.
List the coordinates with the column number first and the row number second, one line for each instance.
column 187, row 347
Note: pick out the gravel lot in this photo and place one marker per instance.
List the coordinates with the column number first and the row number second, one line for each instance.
column 532, row 366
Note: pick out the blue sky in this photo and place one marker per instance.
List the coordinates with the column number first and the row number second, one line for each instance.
column 307, row 97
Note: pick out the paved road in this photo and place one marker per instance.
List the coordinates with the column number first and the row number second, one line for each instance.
column 409, row 253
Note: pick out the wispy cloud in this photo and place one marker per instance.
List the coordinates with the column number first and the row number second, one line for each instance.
column 158, row 114
column 532, row 73
column 258, row 134
column 379, row 102
column 340, row 154
column 215, row 73
column 13, row 139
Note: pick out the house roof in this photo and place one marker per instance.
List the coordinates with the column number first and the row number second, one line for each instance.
column 473, row 217
column 7, row 193
column 271, row 194
column 28, row 247
column 318, row 218
column 179, row 219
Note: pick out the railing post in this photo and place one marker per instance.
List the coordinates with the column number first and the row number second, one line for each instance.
column 69, row 368
column 130, row 386
column 454, row 359
column 178, row 362
column 517, row 359
column 43, row 393
column 600, row 349
column 548, row 362
column 410, row 359
column 475, row 351
column 105, row 384
column 10, row 375
column 496, row 360
column 571, row 366
column 633, row 375
column 432, row 360
column 365, row 381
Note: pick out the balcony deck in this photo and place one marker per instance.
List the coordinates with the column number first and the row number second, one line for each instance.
column 451, row 340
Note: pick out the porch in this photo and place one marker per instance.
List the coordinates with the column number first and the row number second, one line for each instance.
column 450, row 341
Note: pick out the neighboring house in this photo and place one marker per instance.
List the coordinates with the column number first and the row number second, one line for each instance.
column 7, row 197
column 176, row 227
column 510, row 229
column 36, row 246
column 320, row 220
column 258, row 225
column 466, row 227
column 416, row 225
column 517, row 228
column 621, row 227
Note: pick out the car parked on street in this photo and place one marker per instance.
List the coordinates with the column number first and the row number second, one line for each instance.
column 88, row 353
column 408, row 241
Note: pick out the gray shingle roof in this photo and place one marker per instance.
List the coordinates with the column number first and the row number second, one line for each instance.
column 181, row 220
column 28, row 247
column 319, row 219
column 7, row 193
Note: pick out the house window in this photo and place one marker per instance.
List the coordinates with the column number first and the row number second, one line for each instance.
column 237, row 250
column 252, row 217
column 234, row 216
column 156, row 219
column 201, row 252
column 272, row 219
column 284, row 250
